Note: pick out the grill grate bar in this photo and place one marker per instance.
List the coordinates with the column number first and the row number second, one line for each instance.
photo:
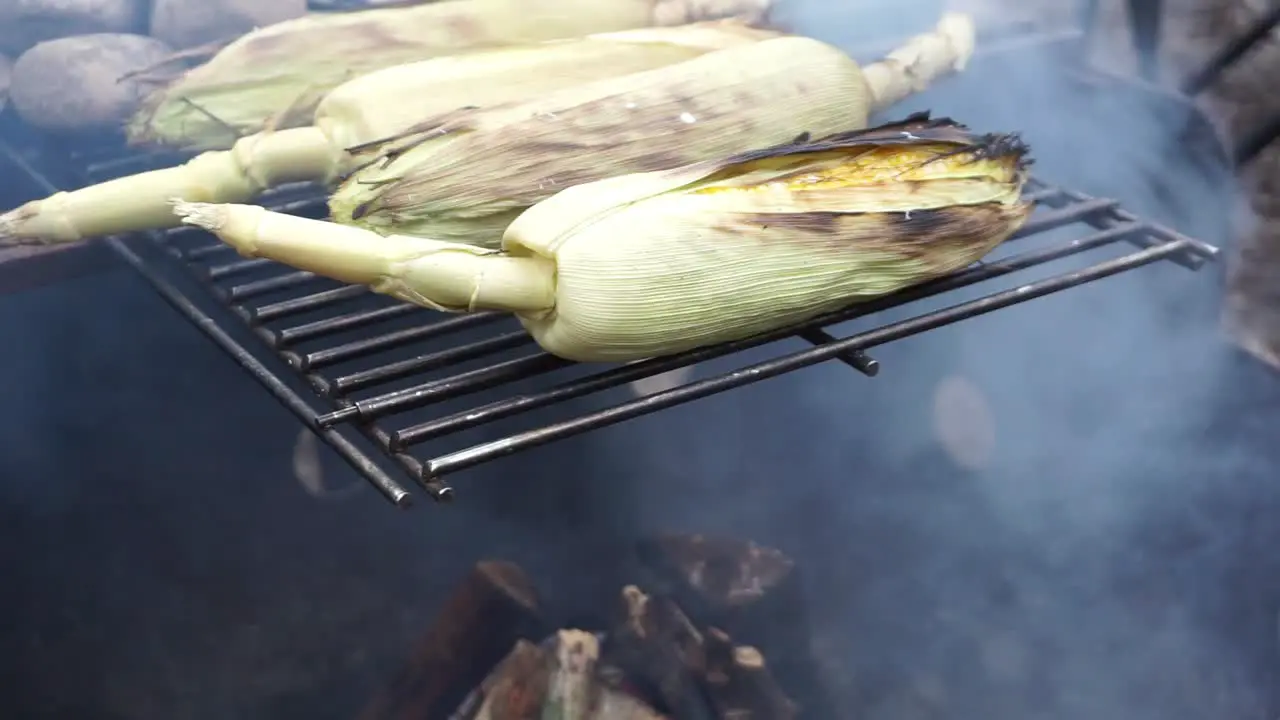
column 238, row 267
column 1193, row 257
column 608, row 379
column 378, row 343
column 208, row 251
column 438, row 391
column 314, row 301
column 328, row 326
column 1064, row 216
column 475, row 455
column 298, row 207
column 269, row 285
column 434, row 361
column 205, row 251
column 126, row 164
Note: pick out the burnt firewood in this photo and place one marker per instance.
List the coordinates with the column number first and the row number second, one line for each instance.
column 720, row 574
column 492, row 609
column 655, row 644
column 617, row 705
column 740, row 683
column 515, row 690
column 754, row 593
column 554, row 681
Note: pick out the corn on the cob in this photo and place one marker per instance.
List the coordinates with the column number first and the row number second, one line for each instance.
column 365, row 109
column 466, row 178
column 273, row 77
column 644, row 265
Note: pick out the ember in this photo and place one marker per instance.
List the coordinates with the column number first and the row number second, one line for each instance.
column 716, row 631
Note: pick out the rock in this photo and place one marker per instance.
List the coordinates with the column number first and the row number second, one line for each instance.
column 75, row 83
column 191, row 23
column 26, row 23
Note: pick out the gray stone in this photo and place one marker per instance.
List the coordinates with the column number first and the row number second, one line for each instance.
column 76, row 83
column 25, row 23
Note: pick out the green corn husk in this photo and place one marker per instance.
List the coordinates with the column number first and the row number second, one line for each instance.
column 658, row 263
column 650, row 264
column 367, row 108
column 273, row 78
column 465, row 178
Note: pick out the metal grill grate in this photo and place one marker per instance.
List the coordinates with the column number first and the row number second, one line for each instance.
column 399, row 390
column 403, row 377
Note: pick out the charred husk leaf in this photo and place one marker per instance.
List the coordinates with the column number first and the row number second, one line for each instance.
column 465, row 176
column 890, row 176
column 758, row 240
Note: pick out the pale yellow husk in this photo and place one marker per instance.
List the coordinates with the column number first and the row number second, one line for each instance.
column 465, row 179
column 722, row 260
column 654, row 263
column 391, row 101
column 275, row 76
column 365, row 109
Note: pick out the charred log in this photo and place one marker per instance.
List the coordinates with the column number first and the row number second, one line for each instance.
column 554, row 681
column 740, row 683
column 515, row 690
column 656, row 644
column 754, row 593
column 488, row 613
